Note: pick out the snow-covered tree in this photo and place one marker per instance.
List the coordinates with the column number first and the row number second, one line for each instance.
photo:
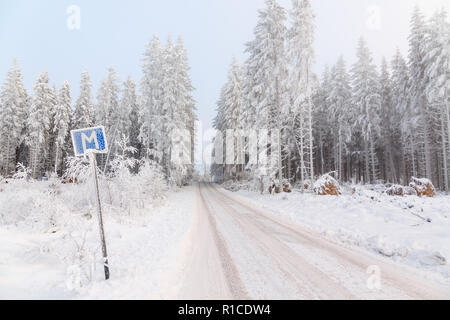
column 437, row 73
column 366, row 99
column 340, row 111
column 229, row 117
column 50, row 136
column 61, row 123
column 323, row 122
column 388, row 125
column 188, row 101
column 107, row 108
column 168, row 107
column 417, row 85
column 38, row 123
column 402, row 107
column 151, row 91
column 108, row 114
column 301, row 58
column 389, row 117
column 129, row 113
column 266, row 66
column 83, row 114
column 14, row 104
column 250, row 93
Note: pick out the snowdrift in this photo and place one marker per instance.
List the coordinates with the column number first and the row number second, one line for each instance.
column 398, row 190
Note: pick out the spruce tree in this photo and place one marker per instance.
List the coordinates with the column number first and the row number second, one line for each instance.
column 14, row 104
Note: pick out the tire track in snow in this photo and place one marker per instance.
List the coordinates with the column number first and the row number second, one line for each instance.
column 411, row 285
column 310, row 281
column 236, row 285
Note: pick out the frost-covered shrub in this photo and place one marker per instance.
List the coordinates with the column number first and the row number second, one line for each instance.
column 124, row 163
column 423, row 187
column 150, row 181
column 22, row 172
column 134, row 190
column 78, row 170
column 398, row 190
column 178, row 176
column 235, row 186
column 327, row 185
column 378, row 187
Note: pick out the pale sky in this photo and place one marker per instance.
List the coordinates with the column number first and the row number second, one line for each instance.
column 114, row 33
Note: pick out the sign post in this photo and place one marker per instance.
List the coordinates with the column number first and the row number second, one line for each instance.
column 91, row 141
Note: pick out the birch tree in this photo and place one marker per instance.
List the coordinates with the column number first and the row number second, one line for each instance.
column 301, row 58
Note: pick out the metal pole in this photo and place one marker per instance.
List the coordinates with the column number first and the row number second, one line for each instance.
column 99, row 212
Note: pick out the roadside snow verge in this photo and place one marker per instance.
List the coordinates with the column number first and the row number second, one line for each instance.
column 51, row 249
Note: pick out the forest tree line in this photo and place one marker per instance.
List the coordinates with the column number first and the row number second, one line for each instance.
column 35, row 128
column 365, row 123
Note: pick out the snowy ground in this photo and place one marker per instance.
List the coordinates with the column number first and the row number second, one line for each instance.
column 205, row 242
column 394, row 227
column 242, row 251
column 50, row 244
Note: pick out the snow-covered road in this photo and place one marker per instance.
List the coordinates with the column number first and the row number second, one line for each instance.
column 205, row 243
column 238, row 251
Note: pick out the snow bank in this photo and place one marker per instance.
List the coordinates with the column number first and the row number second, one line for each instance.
column 267, row 186
column 398, row 190
column 50, row 241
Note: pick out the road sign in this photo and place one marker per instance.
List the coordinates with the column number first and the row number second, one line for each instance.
column 90, row 140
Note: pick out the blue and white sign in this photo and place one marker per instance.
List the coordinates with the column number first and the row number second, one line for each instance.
column 90, row 140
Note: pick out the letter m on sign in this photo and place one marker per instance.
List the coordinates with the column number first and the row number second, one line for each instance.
column 89, row 140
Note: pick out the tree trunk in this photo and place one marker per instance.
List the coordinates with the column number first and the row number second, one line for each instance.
column 403, row 175
column 321, row 154
column 57, row 158
column 444, row 152
column 367, row 162
column 413, row 158
column 7, row 156
column 373, row 160
column 427, row 151
column 302, row 160
column 311, row 142
column 447, row 113
column 339, row 161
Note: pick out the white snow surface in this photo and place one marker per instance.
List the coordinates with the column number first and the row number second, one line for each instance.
column 164, row 249
column 391, row 226
column 50, row 247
